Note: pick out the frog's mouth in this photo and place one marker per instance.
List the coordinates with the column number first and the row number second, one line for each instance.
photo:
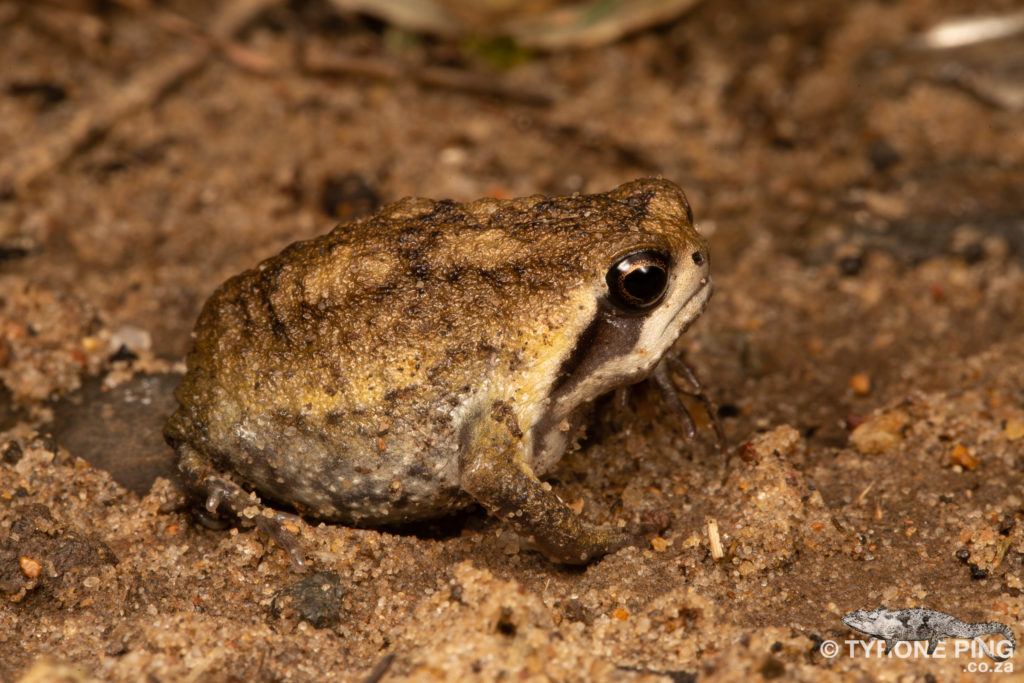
column 691, row 309
column 661, row 329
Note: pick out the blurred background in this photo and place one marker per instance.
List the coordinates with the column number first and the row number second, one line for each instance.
column 173, row 143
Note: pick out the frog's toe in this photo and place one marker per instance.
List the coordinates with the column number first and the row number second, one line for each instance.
column 218, row 492
column 279, row 526
column 208, row 520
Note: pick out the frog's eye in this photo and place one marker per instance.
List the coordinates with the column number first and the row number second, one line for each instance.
column 637, row 281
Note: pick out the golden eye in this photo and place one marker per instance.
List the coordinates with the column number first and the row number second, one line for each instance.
column 637, row 281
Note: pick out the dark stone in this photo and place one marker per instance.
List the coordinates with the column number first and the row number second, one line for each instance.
column 850, row 266
column 973, row 253
column 883, row 155
column 727, row 410
column 11, row 452
column 315, row 599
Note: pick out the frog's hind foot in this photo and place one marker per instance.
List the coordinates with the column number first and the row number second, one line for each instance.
column 222, row 498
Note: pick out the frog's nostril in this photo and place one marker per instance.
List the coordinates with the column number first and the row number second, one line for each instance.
column 698, row 258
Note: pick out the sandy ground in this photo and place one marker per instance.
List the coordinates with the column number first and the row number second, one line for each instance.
column 865, row 344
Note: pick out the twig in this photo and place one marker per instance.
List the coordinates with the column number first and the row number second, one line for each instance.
column 229, row 49
column 92, row 122
column 317, row 62
column 141, row 91
column 864, row 493
column 715, row 540
column 380, row 669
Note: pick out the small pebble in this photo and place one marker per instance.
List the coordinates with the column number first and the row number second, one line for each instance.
column 880, row 433
column 860, row 383
column 30, row 567
column 851, row 265
column 1014, row 430
column 11, row 452
column 961, row 456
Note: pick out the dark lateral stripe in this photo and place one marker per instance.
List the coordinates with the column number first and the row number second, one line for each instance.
column 576, row 357
column 606, row 336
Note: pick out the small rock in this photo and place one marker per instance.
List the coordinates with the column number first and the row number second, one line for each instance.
column 1014, row 430
column 886, row 207
column 11, row 452
column 880, row 433
column 30, row 567
column 963, row 457
column 860, row 383
column 850, row 266
column 574, row 611
column 883, row 155
column 315, row 599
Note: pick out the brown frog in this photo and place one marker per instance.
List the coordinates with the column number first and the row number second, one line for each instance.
column 435, row 354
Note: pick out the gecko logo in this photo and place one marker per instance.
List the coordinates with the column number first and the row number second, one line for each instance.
column 914, row 625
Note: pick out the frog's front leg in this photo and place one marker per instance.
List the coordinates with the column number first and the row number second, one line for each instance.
column 220, row 496
column 492, row 472
column 663, row 380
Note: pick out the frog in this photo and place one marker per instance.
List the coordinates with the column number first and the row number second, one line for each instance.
column 433, row 355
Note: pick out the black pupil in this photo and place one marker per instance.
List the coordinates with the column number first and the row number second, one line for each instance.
column 645, row 283
column 637, row 281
